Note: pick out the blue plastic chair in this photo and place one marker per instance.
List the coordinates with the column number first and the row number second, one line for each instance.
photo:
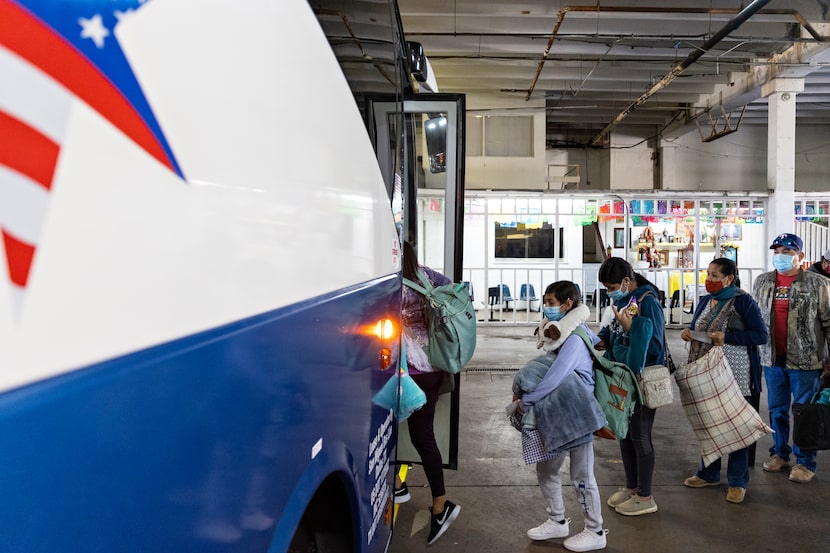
column 527, row 297
column 506, row 298
column 527, row 293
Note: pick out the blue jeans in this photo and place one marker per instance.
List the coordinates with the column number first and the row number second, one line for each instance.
column 785, row 387
column 737, row 469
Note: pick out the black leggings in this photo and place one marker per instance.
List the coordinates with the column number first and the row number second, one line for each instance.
column 422, row 434
column 638, row 451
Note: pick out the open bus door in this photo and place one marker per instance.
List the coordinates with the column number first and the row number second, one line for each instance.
column 421, row 154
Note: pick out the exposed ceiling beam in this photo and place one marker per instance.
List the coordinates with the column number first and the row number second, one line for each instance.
column 798, row 61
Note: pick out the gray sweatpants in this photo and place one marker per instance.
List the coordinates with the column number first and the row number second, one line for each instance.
column 584, row 483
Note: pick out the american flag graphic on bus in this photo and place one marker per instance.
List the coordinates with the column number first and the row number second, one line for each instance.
column 54, row 53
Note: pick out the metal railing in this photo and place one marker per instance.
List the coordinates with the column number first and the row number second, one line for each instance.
column 498, row 300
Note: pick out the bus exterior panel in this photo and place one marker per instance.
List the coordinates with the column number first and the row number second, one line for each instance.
column 212, row 438
column 189, row 272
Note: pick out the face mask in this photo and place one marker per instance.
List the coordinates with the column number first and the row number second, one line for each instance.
column 618, row 294
column 714, row 287
column 553, row 313
column 783, row 262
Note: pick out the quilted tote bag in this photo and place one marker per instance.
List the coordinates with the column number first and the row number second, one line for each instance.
column 722, row 420
column 533, row 449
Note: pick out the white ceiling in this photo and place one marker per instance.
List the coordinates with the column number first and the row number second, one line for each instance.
column 605, row 55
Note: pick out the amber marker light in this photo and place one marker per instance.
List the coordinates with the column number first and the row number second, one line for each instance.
column 386, row 331
column 384, row 358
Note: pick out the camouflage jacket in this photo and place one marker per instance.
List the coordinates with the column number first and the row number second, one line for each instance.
column 808, row 321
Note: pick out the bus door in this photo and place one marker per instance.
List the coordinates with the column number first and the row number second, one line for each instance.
column 421, row 154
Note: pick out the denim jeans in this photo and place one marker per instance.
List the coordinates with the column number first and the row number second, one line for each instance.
column 785, row 387
column 737, row 469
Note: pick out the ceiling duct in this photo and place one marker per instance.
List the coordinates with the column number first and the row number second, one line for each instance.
column 733, row 24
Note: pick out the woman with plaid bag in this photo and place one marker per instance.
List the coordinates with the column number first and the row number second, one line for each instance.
column 728, row 317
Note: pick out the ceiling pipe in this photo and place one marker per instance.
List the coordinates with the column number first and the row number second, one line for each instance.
column 580, row 37
column 641, row 9
column 733, row 24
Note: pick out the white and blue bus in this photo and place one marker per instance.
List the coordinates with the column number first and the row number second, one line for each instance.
column 200, row 270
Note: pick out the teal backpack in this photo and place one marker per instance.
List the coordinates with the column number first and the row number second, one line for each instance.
column 451, row 322
column 615, row 387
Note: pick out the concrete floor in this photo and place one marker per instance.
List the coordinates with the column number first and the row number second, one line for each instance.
column 500, row 498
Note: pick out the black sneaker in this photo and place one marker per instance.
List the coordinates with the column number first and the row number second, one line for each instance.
column 440, row 522
column 402, row 494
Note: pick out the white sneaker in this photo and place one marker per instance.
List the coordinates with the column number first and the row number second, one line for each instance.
column 587, row 540
column 550, row 529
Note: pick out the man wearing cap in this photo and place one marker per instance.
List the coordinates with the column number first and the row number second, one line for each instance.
column 795, row 305
column 822, row 266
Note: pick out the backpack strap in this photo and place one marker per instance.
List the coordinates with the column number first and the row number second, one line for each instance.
column 650, row 293
column 669, row 362
column 427, row 285
column 601, row 363
column 599, row 360
column 425, row 280
column 579, row 331
column 414, row 286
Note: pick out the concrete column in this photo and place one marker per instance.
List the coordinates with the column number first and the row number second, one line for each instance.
column 781, row 154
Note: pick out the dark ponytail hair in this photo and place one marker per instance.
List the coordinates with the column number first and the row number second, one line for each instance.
column 614, row 269
column 410, row 262
column 728, row 267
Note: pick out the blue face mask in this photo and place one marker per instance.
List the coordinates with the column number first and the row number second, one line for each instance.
column 783, row 262
column 617, row 294
column 553, row 313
